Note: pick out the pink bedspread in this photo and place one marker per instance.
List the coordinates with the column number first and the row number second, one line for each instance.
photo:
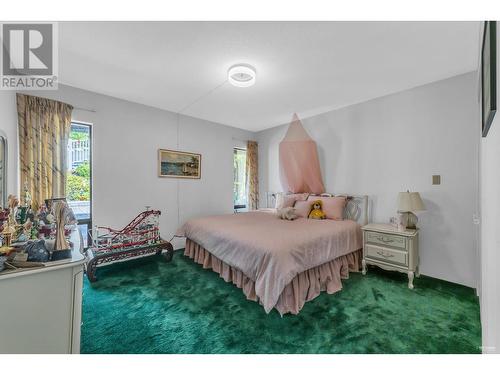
column 271, row 251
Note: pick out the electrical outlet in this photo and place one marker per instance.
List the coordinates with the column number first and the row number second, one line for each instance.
column 475, row 219
column 436, row 179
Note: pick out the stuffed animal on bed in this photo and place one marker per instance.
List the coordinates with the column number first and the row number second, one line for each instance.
column 287, row 213
column 316, row 211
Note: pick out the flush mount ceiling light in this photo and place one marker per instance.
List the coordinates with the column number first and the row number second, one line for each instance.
column 241, row 75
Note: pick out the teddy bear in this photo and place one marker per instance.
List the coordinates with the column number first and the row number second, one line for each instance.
column 316, row 211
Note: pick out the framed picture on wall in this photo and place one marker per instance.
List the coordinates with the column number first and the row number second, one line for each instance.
column 488, row 75
column 179, row 164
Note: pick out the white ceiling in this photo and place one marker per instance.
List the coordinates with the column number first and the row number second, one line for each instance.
column 303, row 67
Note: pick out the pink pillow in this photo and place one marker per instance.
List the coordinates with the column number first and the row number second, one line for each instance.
column 299, row 196
column 333, row 207
column 303, row 208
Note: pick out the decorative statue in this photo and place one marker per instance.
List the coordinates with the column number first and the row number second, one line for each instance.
column 61, row 212
column 27, row 196
column 13, row 202
column 24, row 211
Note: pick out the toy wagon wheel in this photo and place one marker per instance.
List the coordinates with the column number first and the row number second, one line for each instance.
column 91, row 271
column 168, row 252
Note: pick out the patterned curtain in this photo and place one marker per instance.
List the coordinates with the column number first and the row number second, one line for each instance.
column 44, row 127
column 252, row 174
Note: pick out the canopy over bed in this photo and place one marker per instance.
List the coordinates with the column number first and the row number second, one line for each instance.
column 299, row 164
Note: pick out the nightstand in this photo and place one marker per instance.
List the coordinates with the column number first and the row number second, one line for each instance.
column 391, row 249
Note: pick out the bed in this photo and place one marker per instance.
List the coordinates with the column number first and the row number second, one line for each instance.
column 279, row 263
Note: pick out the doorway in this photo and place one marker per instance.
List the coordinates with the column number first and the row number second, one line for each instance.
column 79, row 177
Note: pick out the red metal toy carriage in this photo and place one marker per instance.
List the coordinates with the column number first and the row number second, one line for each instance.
column 140, row 238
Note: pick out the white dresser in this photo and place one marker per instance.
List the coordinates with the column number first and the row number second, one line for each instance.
column 41, row 308
column 389, row 248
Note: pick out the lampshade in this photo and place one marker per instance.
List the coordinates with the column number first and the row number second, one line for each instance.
column 410, row 202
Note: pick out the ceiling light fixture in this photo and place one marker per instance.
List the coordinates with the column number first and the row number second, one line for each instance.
column 241, row 75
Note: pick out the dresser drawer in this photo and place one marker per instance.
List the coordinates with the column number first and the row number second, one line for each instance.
column 387, row 255
column 386, row 239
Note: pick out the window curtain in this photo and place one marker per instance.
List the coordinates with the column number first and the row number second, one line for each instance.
column 252, row 174
column 44, row 127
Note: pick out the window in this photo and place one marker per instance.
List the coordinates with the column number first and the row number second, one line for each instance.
column 240, row 183
column 79, row 176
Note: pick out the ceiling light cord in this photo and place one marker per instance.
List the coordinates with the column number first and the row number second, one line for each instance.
column 202, row 97
column 179, row 112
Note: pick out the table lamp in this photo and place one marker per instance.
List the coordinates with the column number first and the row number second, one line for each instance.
column 409, row 202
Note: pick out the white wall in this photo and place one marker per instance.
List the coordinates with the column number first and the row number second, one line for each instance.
column 398, row 142
column 490, row 233
column 126, row 138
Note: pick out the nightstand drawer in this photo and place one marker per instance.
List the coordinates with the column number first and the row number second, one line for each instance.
column 386, row 255
column 386, row 239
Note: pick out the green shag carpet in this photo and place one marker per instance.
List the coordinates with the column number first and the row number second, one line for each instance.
column 150, row 306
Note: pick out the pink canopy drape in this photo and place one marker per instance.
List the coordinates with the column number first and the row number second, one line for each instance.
column 299, row 163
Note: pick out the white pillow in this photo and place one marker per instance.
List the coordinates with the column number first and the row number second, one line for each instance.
column 279, row 201
column 288, row 199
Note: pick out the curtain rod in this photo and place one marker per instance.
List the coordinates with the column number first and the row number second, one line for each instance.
column 85, row 109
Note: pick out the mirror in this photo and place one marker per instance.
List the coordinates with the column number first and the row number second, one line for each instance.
column 3, row 170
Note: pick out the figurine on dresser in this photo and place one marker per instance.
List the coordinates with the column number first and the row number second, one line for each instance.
column 10, row 227
column 62, row 215
column 24, row 211
column 29, row 239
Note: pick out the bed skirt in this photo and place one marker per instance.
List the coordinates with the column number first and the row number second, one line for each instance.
column 303, row 287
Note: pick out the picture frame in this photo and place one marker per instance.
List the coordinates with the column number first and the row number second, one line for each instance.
column 179, row 164
column 488, row 76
